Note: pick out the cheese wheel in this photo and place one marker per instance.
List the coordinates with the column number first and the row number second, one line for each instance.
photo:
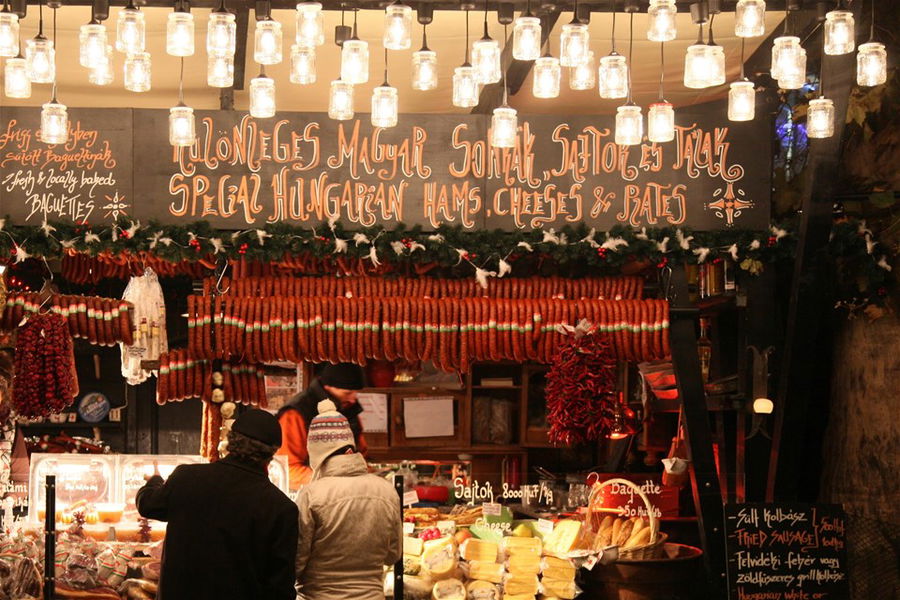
column 449, row 589
column 439, row 558
column 482, row 590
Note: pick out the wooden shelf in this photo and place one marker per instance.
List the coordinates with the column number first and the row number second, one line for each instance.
column 75, row 425
column 496, row 387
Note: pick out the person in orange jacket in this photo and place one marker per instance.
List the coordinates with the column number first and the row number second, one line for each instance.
column 338, row 383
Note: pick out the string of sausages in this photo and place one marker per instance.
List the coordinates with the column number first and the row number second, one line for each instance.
column 307, row 263
column 451, row 332
column 100, row 321
column 628, row 288
column 84, row 269
column 182, row 377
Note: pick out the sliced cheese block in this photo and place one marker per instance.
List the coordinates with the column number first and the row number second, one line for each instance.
column 488, row 571
column 449, row 589
column 519, row 565
column 516, row 545
column 527, row 584
column 439, row 558
column 412, row 546
column 482, row 590
column 560, row 589
column 480, row 550
column 518, row 596
column 562, row 574
column 556, row 562
column 564, row 538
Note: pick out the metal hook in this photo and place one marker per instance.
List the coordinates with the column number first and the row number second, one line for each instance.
column 219, row 289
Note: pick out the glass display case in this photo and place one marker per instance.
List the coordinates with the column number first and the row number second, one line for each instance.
column 101, row 490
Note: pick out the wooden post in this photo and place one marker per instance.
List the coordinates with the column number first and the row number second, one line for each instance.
column 809, row 299
column 704, row 479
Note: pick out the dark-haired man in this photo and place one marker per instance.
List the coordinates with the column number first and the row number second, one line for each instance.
column 338, row 383
column 231, row 535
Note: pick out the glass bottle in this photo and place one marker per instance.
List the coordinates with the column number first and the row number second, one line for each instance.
column 704, row 348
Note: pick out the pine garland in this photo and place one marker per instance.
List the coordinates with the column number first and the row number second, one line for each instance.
column 572, row 251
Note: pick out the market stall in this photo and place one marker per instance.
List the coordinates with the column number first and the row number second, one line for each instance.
column 563, row 322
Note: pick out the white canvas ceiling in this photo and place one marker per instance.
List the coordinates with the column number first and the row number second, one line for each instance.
column 446, row 36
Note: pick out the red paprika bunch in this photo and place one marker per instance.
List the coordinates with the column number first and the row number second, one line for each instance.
column 581, row 389
column 45, row 366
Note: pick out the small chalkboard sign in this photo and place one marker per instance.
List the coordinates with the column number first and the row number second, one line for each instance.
column 786, row 552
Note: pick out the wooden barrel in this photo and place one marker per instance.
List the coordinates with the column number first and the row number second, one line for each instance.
column 676, row 575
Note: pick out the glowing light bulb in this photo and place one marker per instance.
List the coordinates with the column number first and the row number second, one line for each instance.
column 486, row 60
column 583, row 76
column 424, row 70
column 182, row 130
column 629, row 125
column 310, row 24
column 750, row 18
column 741, row 101
column 131, row 31
column 9, row 34
column 820, row 118
column 92, row 45
column 54, row 123
column 397, row 27
column 102, row 74
column 527, row 38
column 661, row 122
column 504, row 127
column 355, row 61
column 268, row 42
column 546, row 77
column 612, row 78
column 137, row 72
column 262, row 97
column 716, row 60
column 871, row 64
column 220, row 71
column 788, row 62
column 40, row 59
column 384, row 106
column 180, row 34
column 340, row 100
column 661, row 20
column 840, row 32
column 697, row 67
column 221, row 35
column 17, row 84
column 465, row 87
column 575, row 41
column 303, row 64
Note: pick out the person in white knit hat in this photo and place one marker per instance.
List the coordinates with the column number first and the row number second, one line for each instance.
column 350, row 520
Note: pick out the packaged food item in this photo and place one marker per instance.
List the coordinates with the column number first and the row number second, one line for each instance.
column 474, row 549
column 412, row 565
column 416, row 587
column 482, row 590
column 439, row 558
column 523, row 564
column 557, row 568
column 487, row 571
column 521, row 584
column 449, row 589
column 565, row 590
column 565, row 537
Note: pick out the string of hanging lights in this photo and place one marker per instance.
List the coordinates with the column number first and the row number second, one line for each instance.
column 54, row 114
column 34, row 62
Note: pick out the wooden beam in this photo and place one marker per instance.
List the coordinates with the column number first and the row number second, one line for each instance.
column 242, row 20
column 698, row 434
column 600, row 6
column 809, row 298
column 516, row 70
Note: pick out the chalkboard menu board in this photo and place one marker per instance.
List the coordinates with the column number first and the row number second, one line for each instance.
column 429, row 170
column 786, row 552
column 86, row 180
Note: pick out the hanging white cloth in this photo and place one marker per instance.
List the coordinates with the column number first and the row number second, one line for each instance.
column 150, row 340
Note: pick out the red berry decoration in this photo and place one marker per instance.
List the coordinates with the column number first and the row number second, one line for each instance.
column 45, row 367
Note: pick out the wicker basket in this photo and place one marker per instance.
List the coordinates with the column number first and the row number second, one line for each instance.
column 648, row 551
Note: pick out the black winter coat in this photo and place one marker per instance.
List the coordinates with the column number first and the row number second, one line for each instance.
column 231, row 535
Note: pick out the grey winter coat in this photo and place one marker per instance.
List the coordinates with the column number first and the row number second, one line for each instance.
column 350, row 527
